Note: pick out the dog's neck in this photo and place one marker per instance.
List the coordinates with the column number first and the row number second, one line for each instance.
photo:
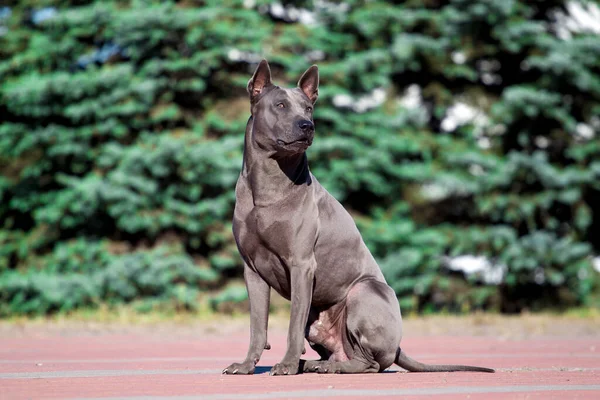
column 271, row 179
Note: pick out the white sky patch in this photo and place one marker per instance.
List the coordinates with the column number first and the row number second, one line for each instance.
column 277, row 10
column 43, row 14
column 342, row 100
column 490, row 79
column 596, row 263
column 585, row 131
column 362, row 103
column 541, row 142
column 476, row 170
column 434, row 192
column 459, row 57
column 315, row 55
column 461, row 114
column 579, row 18
column 412, row 98
column 490, row 273
column 332, row 7
column 247, row 56
column 484, row 142
column 5, row 13
column 289, row 13
column 302, row 15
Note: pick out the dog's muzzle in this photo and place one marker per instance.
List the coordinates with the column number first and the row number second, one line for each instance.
column 304, row 135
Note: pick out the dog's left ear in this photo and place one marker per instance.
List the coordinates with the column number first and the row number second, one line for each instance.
column 309, row 83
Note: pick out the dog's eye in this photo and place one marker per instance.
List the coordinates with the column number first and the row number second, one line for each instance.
column 280, row 105
column 309, row 109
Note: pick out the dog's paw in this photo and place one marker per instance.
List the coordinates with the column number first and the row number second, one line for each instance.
column 311, row 366
column 321, row 367
column 285, row 368
column 239, row 369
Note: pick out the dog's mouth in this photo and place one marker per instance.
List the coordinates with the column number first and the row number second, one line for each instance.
column 302, row 142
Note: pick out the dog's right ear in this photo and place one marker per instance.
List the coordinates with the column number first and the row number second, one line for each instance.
column 260, row 80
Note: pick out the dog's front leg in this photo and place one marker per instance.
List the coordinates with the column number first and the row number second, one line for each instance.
column 259, row 295
column 301, row 282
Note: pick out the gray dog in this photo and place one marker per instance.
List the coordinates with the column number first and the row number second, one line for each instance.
column 296, row 238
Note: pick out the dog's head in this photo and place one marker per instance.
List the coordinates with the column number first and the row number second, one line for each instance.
column 283, row 118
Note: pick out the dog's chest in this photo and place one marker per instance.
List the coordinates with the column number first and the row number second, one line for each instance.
column 265, row 248
column 278, row 230
column 275, row 237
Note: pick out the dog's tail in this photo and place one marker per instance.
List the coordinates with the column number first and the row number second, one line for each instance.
column 411, row 365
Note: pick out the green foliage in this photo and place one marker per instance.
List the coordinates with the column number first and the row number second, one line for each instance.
column 121, row 129
column 230, row 299
column 83, row 273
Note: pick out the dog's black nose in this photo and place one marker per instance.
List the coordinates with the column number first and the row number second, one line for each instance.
column 306, row 125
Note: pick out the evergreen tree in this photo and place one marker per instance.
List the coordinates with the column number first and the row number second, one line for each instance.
column 450, row 129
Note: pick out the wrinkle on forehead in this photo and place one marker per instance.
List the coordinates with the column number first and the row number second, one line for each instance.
column 295, row 95
column 298, row 99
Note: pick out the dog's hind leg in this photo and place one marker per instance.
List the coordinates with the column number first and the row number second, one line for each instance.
column 371, row 335
column 354, row 366
column 323, row 330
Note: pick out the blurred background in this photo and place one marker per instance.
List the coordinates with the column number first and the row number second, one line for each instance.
column 462, row 135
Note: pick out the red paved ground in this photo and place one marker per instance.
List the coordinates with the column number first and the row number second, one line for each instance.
column 164, row 365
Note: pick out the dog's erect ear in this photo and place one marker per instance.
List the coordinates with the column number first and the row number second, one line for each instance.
column 309, row 83
column 260, row 80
